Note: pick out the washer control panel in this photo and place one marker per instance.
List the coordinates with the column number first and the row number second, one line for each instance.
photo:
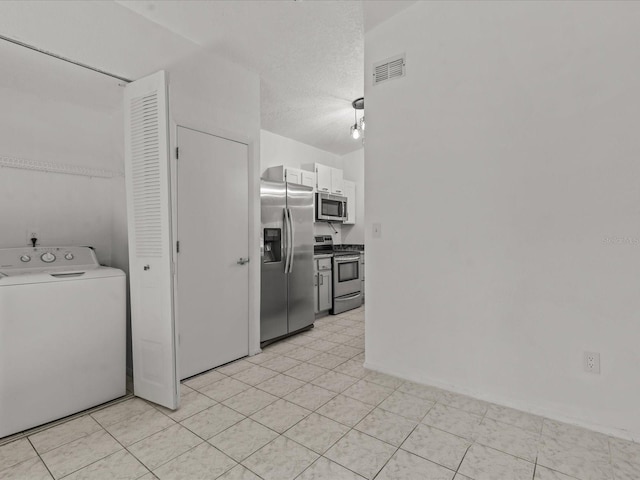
column 29, row 259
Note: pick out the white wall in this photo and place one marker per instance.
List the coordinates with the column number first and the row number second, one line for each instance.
column 353, row 165
column 278, row 150
column 65, row 209
column 504, row 171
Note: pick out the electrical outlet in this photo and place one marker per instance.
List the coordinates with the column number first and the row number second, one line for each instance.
column 32, row 232
column 591, row 362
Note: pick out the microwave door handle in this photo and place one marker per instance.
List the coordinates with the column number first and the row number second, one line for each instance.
column 292, row 248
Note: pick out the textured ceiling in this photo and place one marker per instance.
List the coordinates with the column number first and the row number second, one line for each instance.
column 309, row 55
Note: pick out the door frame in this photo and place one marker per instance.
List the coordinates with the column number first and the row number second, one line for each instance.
column 253, row 184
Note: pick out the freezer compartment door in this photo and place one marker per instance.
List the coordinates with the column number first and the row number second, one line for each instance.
column 273, row 282
column 300, row 207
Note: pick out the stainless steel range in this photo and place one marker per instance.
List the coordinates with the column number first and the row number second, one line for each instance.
column 347, row 284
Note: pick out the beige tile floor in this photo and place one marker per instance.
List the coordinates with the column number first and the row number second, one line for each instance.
column 305, row 408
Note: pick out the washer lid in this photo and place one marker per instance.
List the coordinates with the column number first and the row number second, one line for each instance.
column 57, row 275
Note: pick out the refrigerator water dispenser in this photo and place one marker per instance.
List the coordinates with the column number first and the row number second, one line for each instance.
column 272, row 245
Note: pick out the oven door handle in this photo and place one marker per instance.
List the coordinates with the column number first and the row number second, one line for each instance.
column 343, row 259
column 348, row 297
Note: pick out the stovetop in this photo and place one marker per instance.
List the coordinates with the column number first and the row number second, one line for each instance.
column 340, row 253
column 323, row 245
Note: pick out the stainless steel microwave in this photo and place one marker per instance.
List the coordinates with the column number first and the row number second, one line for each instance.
column 331, row 208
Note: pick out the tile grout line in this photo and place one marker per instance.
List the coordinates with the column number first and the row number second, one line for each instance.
column 164, row 463
column 462, row 459
column 65, row 423
column 40, row 457
column 123, row 449
column 127, row 450
column 429, row 459
column 79, row 438
column 396, row 451
column 62, row 421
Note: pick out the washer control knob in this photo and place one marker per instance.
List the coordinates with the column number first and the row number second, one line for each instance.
column 68, row 256
column 25, row 258
column 48, row 257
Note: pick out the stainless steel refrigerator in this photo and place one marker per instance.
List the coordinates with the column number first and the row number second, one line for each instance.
column 286, row 304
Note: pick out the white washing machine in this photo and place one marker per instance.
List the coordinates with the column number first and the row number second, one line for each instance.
column 62, row 334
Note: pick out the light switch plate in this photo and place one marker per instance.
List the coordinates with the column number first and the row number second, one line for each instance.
column 376, row 230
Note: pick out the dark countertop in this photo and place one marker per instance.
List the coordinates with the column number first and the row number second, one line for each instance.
column 349, row 246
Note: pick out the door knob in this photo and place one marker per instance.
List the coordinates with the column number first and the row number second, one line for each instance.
column 242, row 261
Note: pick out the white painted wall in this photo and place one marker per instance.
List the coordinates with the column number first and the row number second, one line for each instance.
column 504, row 170
column 65, row 209
column 278, row 150
column 353, row 165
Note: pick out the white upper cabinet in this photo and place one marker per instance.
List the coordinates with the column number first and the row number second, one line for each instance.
column 323, row 178
column 308, row 178
column 329, row 179
column 350, row 193
column 281, row 173
column 293, row 175
column 337, row 181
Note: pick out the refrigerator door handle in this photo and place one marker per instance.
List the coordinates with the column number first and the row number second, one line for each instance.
column 292, row 246
column 287, row 244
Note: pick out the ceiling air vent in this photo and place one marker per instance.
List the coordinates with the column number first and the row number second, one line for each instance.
column 389, row 69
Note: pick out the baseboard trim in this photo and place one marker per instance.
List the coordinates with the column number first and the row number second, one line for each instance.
column 505, row 402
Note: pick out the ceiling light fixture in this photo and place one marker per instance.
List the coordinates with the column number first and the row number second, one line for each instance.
column 357, row 129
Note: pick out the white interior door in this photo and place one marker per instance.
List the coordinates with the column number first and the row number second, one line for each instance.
column 147, row 178
column 213, row 231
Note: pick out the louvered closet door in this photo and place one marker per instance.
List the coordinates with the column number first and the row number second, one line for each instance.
column 150, row 253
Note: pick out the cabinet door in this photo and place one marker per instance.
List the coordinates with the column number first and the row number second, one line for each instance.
column 308, row 178
column 350, row 193
column 325, row 292
column 337, row 182
column 294, row 176
column 323, row 178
